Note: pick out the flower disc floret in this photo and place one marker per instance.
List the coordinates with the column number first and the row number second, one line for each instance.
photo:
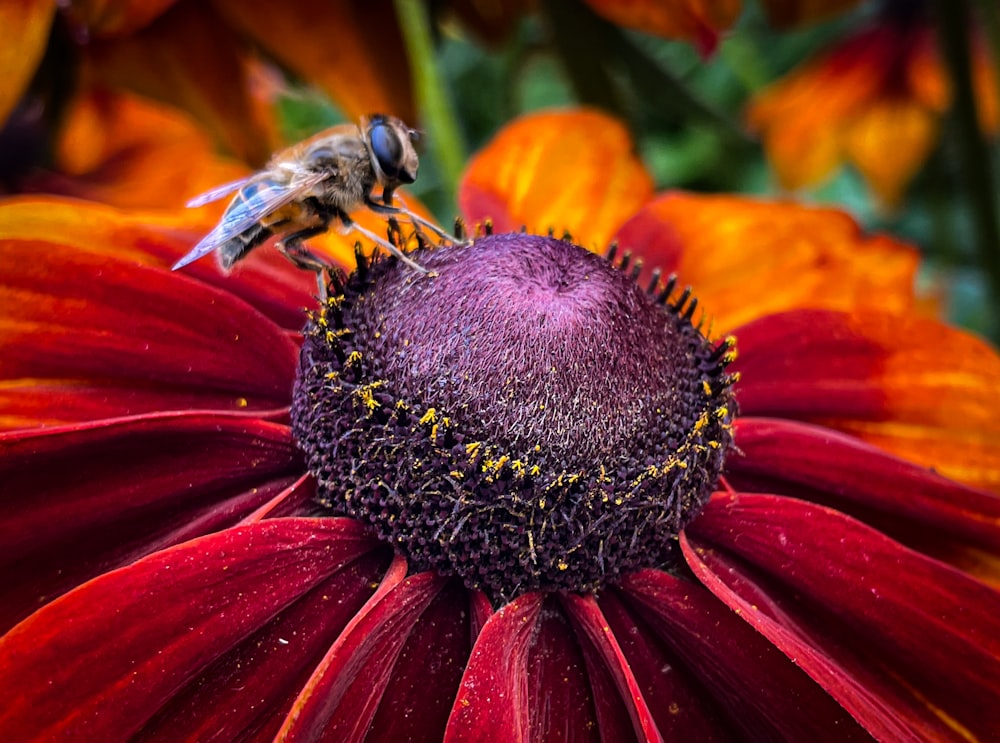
column 525, row 417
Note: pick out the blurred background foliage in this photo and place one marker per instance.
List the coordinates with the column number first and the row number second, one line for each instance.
column 461, row 70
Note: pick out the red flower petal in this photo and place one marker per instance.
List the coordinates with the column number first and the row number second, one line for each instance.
column 681, row 705
column 904, row 642
column 853, row 473
column 622, row 713
column 102, row 660
column 493, row 698
column 915, row 387
column 722, row 679
column 250, row 690
column 83, row 501
column 533, row 676
column 393, row 673
column 96, row 332
column 421, row 690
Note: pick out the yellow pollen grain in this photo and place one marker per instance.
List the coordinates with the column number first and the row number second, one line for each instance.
column 722, row 412
column 367, row 396
column 242, row 402
column 706, row 388
column 701, row 422
column 535, row 470
column 562, row 565
column 730, row 357
column 472, row 448
column 429, row 417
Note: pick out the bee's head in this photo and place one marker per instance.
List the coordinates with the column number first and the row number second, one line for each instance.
column 391, row 148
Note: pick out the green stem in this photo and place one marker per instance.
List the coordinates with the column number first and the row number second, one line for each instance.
column 953, row 30
column 435, row 108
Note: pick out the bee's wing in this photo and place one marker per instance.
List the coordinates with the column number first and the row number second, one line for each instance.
column 219, row 192
column 247, row 210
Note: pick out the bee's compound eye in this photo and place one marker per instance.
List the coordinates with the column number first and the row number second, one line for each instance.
column 388, row 151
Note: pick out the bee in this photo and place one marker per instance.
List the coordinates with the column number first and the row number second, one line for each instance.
column 311, row 184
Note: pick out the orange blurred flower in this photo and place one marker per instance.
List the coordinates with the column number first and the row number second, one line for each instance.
column 875, row 100
column 702, row 22
column 202, row 56
column 697, row 21
column 174, row 567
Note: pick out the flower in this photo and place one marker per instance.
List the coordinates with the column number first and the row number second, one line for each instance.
column 205, row 58
column 702, row 21
column 874, row 100
column 168, row 572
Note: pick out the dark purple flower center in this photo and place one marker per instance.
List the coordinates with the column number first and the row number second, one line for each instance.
column 527, row 418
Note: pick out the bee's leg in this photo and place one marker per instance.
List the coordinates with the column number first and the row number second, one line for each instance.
column 350, row 224
column 417, row 220
column 292, row 248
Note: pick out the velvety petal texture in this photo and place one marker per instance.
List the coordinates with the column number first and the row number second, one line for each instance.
column 102, row 331
column 912, row 503
column 828, row 592
column 94, row 661
column 167, row 573
column 178, row 476
column 393, row 672
column 912, row 386
column 703, row 668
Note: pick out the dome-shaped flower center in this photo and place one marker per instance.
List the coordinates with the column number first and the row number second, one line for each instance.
column 527, row 418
